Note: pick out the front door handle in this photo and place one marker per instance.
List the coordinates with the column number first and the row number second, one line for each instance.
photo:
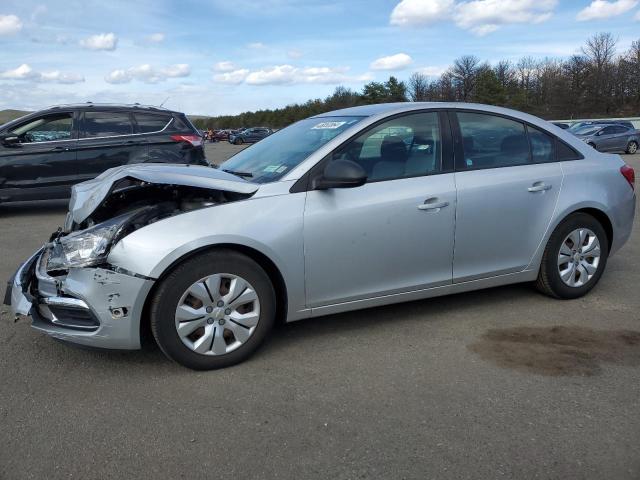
column 60, row 149
column 432, row 204
column 539, row 187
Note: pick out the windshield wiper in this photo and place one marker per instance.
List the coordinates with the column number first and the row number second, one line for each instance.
column 239, row 174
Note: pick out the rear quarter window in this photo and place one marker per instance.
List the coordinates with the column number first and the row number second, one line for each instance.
column 149, row 123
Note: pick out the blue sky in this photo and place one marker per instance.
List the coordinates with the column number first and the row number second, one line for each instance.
column 223, row 57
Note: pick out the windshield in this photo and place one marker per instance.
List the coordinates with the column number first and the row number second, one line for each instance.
column 270, row 159
column 588, row 130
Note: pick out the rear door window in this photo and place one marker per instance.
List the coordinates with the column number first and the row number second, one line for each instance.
column 107, row 124
column 490, row 141
column 149, row 123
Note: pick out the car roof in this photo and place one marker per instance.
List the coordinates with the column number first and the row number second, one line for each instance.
column 107, row 106
column 384, row 109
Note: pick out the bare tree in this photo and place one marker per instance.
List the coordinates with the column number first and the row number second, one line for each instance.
column 464, row 73
column 418, row 87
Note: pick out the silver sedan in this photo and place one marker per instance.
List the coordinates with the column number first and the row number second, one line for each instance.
column 347, row 210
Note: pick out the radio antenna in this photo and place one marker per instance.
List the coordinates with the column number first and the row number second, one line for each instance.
column 165, row 101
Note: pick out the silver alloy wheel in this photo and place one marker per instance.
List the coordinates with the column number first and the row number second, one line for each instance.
column 579, row 257
column 217, row 314
column 633, row 148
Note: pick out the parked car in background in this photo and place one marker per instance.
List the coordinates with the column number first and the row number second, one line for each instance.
column 610, row 137
column 249, row 135
column 580, row 125
column 562, row 125
column 221, row 135
column 350, row 209
column 44, row 153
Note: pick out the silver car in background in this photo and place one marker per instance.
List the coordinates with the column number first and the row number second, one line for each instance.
column 350, row 209
column 610, row 138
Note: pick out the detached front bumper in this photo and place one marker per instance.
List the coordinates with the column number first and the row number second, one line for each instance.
column 96, row 307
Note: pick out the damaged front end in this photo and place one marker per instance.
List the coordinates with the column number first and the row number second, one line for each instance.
column 68, row 287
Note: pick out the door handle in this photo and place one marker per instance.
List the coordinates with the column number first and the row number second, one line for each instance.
column 539, row 187
column 60, row 149
column 432, row 204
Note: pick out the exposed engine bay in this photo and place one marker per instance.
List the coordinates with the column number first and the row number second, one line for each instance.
column 150, row 202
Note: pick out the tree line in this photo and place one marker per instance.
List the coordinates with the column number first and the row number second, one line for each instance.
column 598, row 81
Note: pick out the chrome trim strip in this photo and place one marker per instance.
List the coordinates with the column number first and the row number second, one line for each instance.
column 98, row 138
column 66, row 302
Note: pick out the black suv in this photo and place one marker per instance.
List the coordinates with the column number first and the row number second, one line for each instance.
column 42, row 154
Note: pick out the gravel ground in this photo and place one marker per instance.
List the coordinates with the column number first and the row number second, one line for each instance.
column 501, row 383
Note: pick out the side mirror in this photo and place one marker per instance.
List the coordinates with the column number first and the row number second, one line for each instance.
column 9, row 139
column 601, row 132
column 340, row 174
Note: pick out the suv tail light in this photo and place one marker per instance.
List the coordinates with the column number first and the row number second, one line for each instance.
column 629, row 174
column 193, row 140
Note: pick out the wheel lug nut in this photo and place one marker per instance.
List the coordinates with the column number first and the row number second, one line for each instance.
column 221, row 321
column 209, row 309
column 220, row 303
column 210, row 321
column 227, row 311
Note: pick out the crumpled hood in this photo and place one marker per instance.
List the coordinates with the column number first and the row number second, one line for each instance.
column 87, row 196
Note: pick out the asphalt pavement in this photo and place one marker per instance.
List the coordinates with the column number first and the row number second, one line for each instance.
column 499, row 383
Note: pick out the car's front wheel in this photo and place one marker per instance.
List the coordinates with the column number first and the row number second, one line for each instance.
column 574, row 258
column 213, row 310
column 632, row 148
column 238, row 141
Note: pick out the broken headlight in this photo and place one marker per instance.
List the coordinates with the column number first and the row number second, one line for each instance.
column 87, row 247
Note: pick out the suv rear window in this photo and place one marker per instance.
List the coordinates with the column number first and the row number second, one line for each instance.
column 149, row 123
column 107, row 124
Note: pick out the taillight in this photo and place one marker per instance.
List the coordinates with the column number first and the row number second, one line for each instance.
column 193, row 140
column 629, row 174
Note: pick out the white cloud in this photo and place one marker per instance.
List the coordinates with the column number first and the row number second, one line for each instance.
column 25, row 72
column 233, row 77
column 102, row 41
column 479, row 16
column 276, row 75
column 148, row 74
column 392, row 62
column 289, row 75
column 10, row 24
column 421, row 12
column 57, row 76
column 433, row 71
column 225, row 66
column 294, row 53
column 604, row 9
column 486, row 16
column 156, row 37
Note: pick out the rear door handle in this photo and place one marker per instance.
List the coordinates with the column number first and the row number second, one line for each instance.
column 539, row 187
column 432, row 204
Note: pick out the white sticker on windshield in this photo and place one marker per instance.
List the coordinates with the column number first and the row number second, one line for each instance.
column 328, row 125
column 271, row 168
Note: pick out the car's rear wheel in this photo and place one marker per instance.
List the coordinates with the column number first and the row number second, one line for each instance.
column 574, row 258
column 238, row 141
column 632, row 147
column 213, row 311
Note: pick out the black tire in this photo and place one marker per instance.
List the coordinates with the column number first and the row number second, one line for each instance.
column 238, row 141
column 549, row 281
column 632, row 148
column 167, row 295
column 592, row 145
